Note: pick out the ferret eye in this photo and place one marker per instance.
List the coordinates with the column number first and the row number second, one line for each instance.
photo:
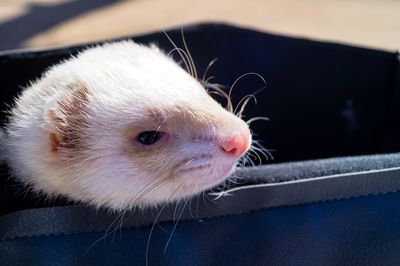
column 149, row 137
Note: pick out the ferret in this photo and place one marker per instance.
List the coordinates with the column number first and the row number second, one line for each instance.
column 121, row 125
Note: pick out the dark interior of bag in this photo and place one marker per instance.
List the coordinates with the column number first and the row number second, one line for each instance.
column 322, row 100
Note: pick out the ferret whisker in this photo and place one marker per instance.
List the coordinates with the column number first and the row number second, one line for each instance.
column 245, row 163
column 150, row 187
column 184, row 58
column 243, row 103
column 198, row 203
column 241, row 161
column 206, row 198
column 250, row 153
column 256, row 155
column 251, row 120
column 227, row 184
column 216, row 93
column 218, row 88
column 155, row 222
column 247, row 160
column 266, row 153
column 204, row 79
column 250, row 163
column 191, row 160
column 175, row 210
column 181, row 52
column 146, row 189
column 236, row 180
column 253, row 164
column 158, row 129
column 223, row 185
column 190, row 209
column 208, row 80
column 119, row 226
column 257, row 144
column 189, row 54
column 233, row 181
column 242, row 76
column 175, row 226
column 107, row 233
column 245, row 75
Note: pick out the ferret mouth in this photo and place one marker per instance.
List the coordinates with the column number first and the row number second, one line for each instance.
column 208, row 160
column 209, row 175
column 198, row 161
column 211, row 181
column 197, row 168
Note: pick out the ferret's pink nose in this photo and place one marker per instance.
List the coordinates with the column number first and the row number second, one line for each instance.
column 237, row 145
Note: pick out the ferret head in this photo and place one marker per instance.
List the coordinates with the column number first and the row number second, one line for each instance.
column 123, row 125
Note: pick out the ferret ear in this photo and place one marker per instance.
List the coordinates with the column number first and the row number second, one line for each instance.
column 67, row 117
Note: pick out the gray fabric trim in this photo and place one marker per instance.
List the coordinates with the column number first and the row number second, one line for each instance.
column 282, row 172
column 74, row 219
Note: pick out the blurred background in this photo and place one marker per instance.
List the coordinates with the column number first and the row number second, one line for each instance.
column 47, row 23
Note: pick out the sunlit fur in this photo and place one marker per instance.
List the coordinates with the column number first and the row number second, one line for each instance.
column 73, row 132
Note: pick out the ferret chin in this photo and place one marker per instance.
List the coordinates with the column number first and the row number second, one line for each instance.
column 121, row 125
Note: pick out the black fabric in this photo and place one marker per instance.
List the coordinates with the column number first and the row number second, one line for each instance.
column 324, row 100
column 360, row 231
column 281, row 172
column 235, row 200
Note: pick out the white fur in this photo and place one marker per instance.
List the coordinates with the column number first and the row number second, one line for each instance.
column 124, row 80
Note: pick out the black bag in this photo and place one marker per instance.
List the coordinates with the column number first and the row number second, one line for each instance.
column 330, row 196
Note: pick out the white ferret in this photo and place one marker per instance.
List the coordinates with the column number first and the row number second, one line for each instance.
column 121, row 125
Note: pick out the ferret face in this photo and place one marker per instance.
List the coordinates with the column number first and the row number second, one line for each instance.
column 122, row 125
